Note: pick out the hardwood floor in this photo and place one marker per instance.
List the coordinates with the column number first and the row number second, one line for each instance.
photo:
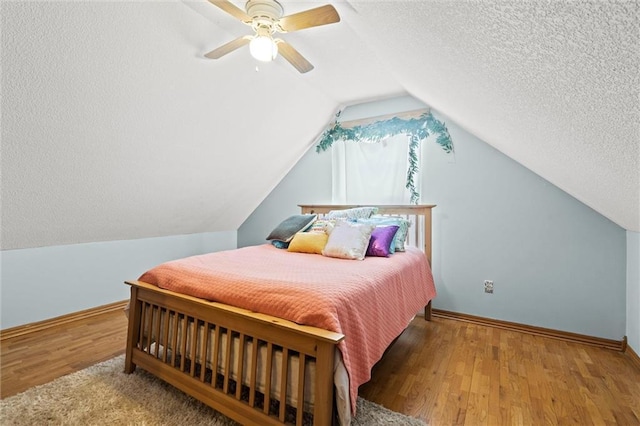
column 42, row 356
column 450, row 372
column 445, row 372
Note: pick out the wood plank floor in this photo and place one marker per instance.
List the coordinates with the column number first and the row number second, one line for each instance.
column 42, row 356
column 445, row 372
column 450, row 372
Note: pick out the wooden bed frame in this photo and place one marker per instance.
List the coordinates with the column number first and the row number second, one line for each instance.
column 153, row 311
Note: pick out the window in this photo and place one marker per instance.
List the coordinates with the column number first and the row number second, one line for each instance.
column 378, row 159
column 372, row 172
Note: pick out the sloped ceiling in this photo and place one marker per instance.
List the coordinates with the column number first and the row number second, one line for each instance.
column 555, row 85
column 114, row 126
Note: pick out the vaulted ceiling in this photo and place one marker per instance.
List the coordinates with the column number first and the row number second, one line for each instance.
column 114, row 125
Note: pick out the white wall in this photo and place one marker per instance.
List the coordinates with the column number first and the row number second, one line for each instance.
column 633, row 290
column 555, row 262
column 117, row 113
column 46, row 282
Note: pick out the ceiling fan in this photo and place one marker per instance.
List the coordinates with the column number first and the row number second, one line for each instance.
column 265, row 17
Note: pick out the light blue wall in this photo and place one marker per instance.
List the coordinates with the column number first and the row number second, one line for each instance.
column 47, row 282
column 309, row 181
column 555, row 262
column 633, row 290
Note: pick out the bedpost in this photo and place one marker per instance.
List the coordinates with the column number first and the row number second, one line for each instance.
column 427, row 312
column 323, row 407
column 428, row 233
column 133, row 332
column 428, row 251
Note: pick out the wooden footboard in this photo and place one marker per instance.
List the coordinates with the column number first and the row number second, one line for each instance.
column 182, row 361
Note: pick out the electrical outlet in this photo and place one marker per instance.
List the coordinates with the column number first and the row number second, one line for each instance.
column 488, row 286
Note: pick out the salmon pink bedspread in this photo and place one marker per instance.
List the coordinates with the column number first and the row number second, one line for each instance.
column 371, row 301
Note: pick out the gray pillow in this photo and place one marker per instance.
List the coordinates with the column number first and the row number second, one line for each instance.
column 288, row 227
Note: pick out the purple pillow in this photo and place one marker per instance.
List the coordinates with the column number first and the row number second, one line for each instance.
column 381, row 239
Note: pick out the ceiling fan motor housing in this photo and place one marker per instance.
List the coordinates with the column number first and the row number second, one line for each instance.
column 265, row 13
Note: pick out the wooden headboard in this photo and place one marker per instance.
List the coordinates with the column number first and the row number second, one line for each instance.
column 419, row 215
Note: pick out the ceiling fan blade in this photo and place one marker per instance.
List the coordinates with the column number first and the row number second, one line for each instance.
column 229, row 47
column 322, row 15
column 293, row 56
column 232, row 10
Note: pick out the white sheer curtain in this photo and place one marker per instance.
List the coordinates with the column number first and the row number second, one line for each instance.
column 371, row 173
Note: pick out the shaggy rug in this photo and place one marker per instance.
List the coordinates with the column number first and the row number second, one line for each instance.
column 104, row 395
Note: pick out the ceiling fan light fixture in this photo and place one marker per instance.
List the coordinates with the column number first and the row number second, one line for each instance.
column 265, row 17
column 263, row 48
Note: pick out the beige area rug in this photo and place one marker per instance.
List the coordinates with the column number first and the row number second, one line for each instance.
column 104, row 395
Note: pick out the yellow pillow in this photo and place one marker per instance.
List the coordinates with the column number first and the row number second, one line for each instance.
column 308, row 242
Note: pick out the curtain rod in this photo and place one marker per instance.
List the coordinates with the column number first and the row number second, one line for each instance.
column 369, row 120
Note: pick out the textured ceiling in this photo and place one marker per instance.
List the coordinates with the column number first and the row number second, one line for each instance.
column 552, row 84
column 115, row 127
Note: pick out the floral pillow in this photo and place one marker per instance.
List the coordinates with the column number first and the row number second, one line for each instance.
column 349, row 240
column 323, row 225
column 353, row 213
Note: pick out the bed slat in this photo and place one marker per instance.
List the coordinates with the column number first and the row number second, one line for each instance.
column 284, row 369
column 204, row 350
column 174, row 340
column 165, row 335
column 183, row 346
column 143, row 320
column 240, row 367
column 301, row 384
column 155, row 324
column 253, row 372
column 193, row 346
column 267, row 381
column 227, row 362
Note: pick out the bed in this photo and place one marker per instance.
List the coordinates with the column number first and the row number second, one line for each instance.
column 261, row 363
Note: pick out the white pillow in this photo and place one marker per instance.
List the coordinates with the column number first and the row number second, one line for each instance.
column 348, row 240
